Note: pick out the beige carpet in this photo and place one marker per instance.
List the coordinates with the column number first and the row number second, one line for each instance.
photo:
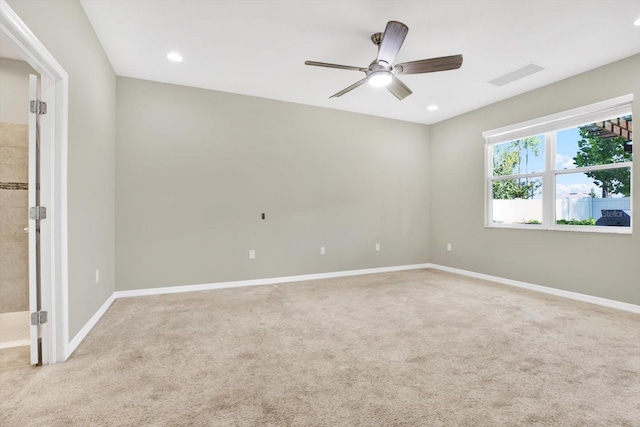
column 412, row 348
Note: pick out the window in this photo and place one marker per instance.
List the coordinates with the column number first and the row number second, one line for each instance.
column 568, row 171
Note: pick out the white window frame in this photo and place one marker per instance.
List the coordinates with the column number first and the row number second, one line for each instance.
column 548, row 126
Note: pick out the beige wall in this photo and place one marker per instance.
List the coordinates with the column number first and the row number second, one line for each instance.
column 65, row 31
column 596, row 264
column 14, row 91
column 196, row 168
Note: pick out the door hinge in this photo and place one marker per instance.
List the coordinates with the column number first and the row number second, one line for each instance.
column 38, row 213
column 38, row 107
column 39, row 317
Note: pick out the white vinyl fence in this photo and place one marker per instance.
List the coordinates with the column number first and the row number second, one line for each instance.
column 523, row 210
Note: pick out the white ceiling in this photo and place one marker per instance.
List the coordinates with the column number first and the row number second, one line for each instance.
column 259, row 47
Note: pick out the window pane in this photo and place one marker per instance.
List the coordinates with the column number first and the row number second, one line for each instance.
column 517, row 201
column 521, row 156
column 593, row 144
column 594, row 198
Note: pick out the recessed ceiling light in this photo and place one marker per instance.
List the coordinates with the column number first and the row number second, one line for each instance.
column 637, row 22
column 174, row 56
column 432, row 107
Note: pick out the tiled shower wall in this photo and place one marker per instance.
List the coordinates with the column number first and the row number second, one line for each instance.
column 14, row 250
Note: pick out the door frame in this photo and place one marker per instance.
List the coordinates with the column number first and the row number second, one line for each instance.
column 53, row 182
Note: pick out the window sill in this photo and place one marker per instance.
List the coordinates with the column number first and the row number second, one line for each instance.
column 565, row 228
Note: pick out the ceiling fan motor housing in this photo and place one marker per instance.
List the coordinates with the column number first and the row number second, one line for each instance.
column 378, row 66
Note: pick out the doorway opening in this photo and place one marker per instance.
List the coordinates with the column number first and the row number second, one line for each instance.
column 18, row 189
column 48, row 315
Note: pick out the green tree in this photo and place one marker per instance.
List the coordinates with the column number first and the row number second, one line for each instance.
column 594, row 150
column 509, row 160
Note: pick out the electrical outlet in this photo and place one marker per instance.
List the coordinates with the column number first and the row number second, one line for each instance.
column 97, row 275
column 377, row 247
column 252, row 254
column 322, row 251
column 449, row 249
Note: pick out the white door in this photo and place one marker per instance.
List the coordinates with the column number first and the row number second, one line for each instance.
column 34, row 225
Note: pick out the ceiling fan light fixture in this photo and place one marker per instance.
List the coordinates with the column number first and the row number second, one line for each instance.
column 380, row 78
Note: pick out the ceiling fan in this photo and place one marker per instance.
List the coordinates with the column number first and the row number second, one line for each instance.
column 382, row 72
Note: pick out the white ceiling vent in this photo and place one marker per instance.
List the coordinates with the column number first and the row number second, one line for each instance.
column 516, row 74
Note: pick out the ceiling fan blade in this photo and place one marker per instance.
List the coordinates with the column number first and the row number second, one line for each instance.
column 350, row 88
column 442, row 63
column 391, row 42
column 398, row 89
column 338, row 66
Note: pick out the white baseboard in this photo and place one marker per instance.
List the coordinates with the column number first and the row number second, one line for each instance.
column 304, row 277
column 544, row 289
column 75, row 342
column 11, row 344
column 262, row 282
